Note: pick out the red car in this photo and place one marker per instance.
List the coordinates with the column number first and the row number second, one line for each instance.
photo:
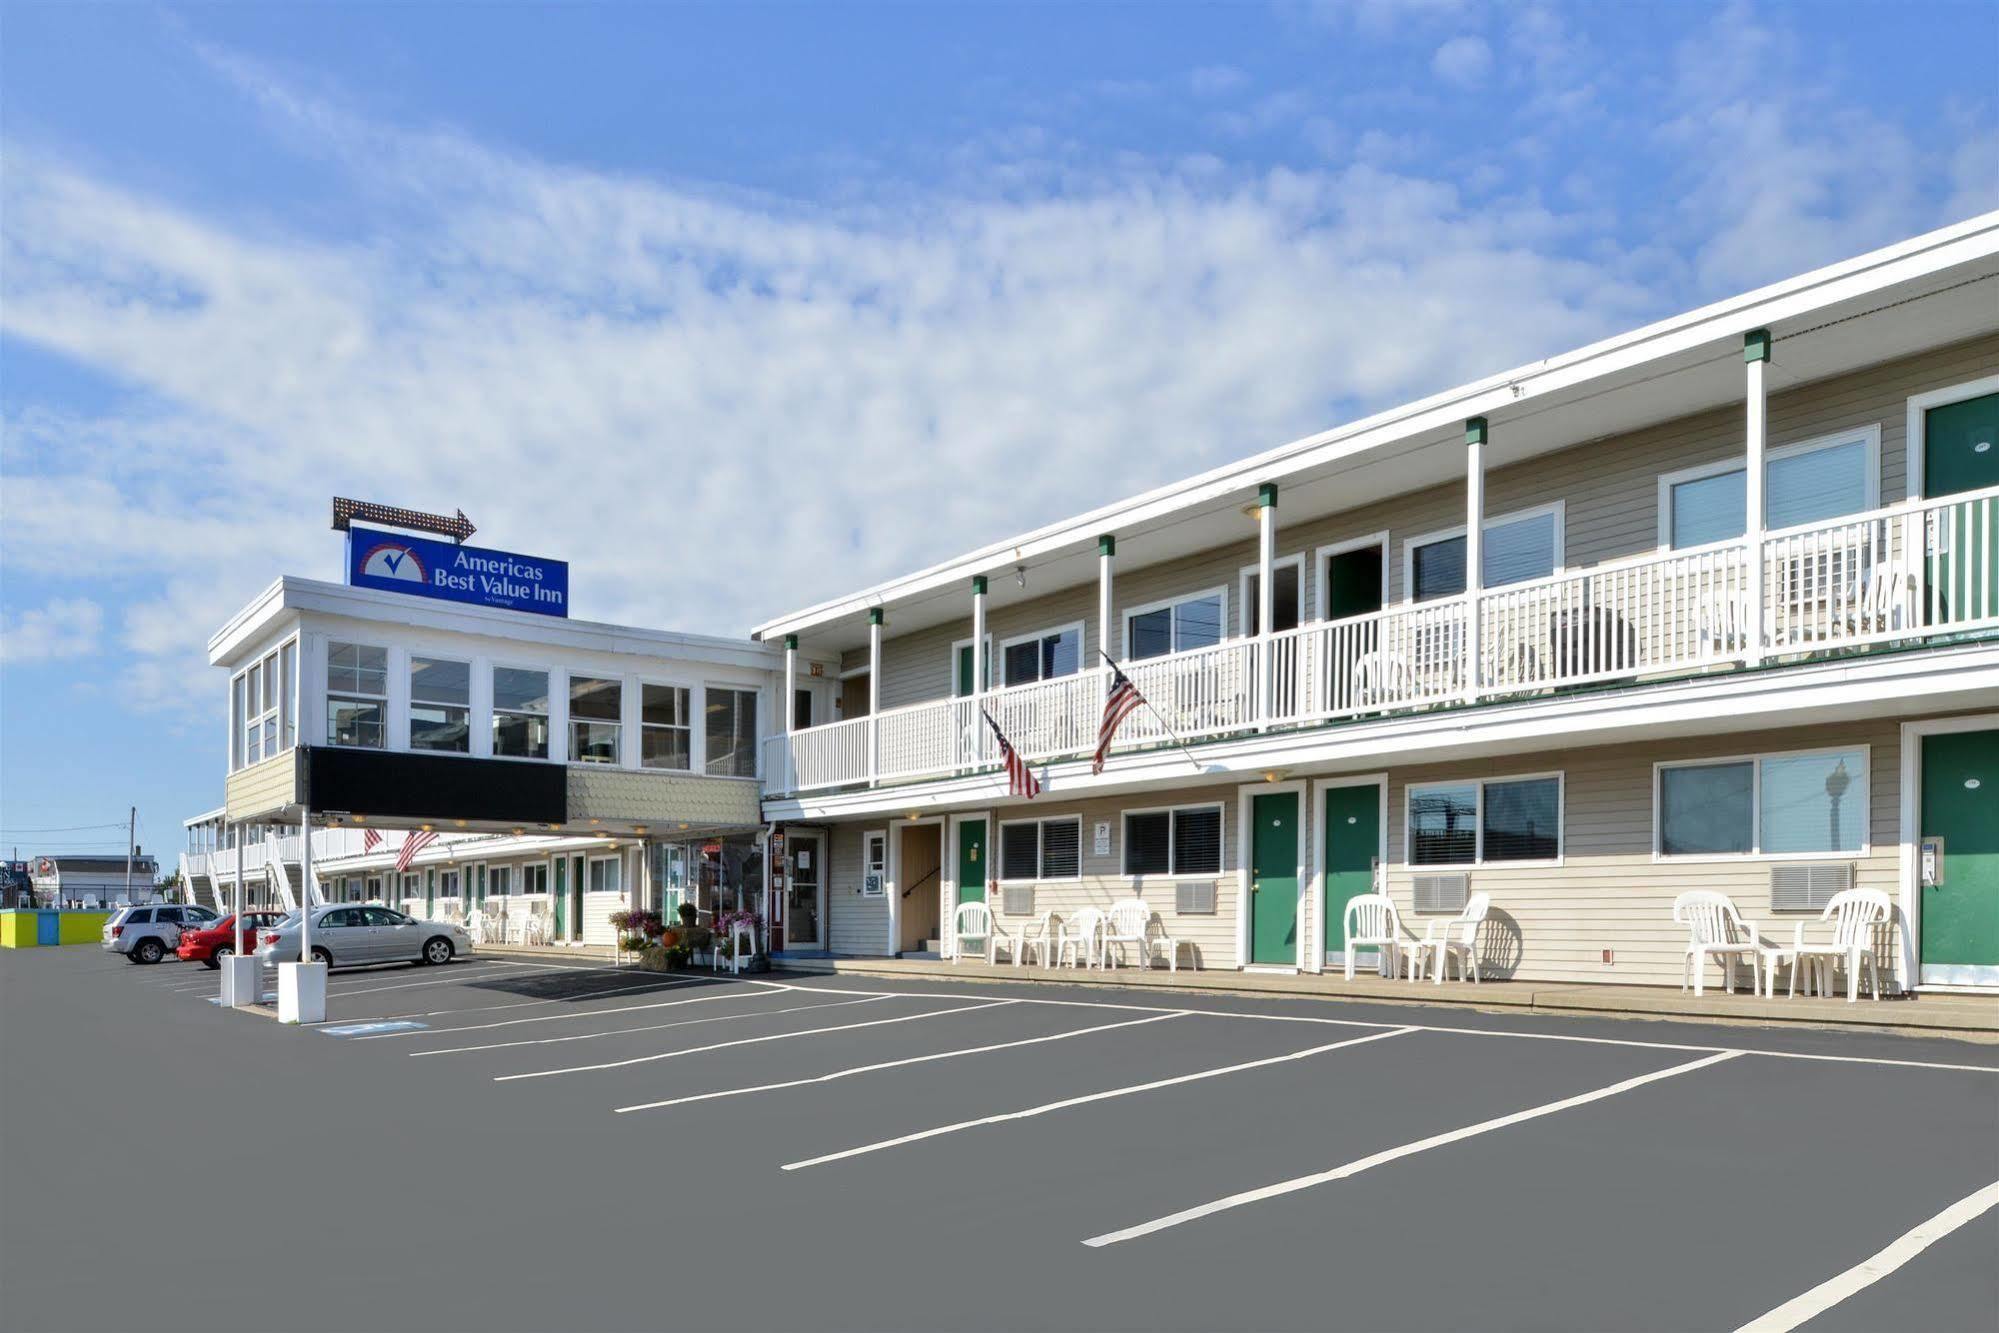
column 211, row 944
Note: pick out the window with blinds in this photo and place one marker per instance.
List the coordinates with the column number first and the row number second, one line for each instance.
column 1185, row 841
column 1032, row 849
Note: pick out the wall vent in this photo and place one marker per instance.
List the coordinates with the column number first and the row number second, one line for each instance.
column 1442, row 893
column 1194, row 897
column 1808, row 887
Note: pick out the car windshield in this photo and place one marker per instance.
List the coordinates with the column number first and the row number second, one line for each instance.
column 285, row 922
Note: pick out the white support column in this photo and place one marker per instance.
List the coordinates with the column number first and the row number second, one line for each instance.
column 1475, row 433
column 238, row 840
column 305, row 884
column 1266, row 590
column 875, row 691
column 1756, row 356
column 979, row 666
column 1106, row 557
column 790, row 707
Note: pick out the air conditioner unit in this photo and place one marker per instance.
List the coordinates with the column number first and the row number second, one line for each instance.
column 1194, row 897
column 1017, row 899
column 1808, row 887
column 1442, row 893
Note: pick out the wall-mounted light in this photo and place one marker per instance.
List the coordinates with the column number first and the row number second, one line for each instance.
column 1020, row 575
column 425, row 827
column 639, row 829
column 459, row 822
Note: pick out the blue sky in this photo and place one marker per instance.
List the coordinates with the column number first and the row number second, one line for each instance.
column 735, row 307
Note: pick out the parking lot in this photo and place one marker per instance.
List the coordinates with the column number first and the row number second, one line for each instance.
column 513, row 1143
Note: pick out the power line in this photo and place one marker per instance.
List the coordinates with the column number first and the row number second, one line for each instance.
column 10, row 829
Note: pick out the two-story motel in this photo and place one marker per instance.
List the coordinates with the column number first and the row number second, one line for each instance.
column 1711, row 604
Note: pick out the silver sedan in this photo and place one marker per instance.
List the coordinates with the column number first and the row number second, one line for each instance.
column 349, row 935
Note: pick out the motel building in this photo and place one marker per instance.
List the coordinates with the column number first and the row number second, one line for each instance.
column 560, row 770
column 1710, row 605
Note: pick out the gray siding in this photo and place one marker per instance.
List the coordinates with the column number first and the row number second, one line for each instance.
column 854, row 925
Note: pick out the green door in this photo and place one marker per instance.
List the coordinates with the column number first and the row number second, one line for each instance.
column 1961, row 453
column 1353, row 842
column 972, row 861
column 561, row 893
column 1273, row 879
column 1960, row 916
column 575, row 897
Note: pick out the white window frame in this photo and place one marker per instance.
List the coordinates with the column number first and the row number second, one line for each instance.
column 409, row 884
column 1917, row 436
column 1410, row 545
column 660, row 682
column 281, row 714
column 546, row 877
column 869, row 839
column 591, row 862
column 951, row 684
column 496, row 875
column 1040, row 848
column 570, row 720
column 1246, row 605
column 409, row 712
column 495, row 712
column 329, row 694
column 1075, row 626
column 1322, row 599
column 1133, row 612
column 1173, row 872
column 447, row 875
column 1864, row 781
column 1869, row 434
column 1479, row 861
column 756, row 740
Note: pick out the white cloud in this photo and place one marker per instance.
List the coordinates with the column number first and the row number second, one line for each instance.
column 65, row 627
column 1215, row 80
column 1463, row 61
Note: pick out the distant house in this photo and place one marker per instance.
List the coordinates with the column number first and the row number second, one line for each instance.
column 92, row 881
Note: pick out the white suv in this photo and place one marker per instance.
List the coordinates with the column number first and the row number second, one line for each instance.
column 149, row 933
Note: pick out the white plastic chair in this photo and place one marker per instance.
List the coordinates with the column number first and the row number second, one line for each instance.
column 1380, row 678
column 1041, row 935
column 1882, row 602
column 1716, row 930
column 1456, row 938
column 1373, row 923
column 1081, row 935
column 974, row 922
column 1855, row 914
column 1130, row 922
column 1724, row 623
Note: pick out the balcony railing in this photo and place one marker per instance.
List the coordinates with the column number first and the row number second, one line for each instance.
column 1913, row 572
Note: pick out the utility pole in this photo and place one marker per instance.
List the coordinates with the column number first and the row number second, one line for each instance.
column 131, row 834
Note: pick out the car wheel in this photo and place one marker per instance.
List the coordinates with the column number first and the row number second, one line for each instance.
column 437, row 951
column 148, row 951
column 320, row 955
column 222, row 951
column 213, row 962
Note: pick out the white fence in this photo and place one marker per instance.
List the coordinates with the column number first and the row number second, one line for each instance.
column 1920, row 570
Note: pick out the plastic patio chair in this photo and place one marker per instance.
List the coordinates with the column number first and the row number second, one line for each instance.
column 1373, row 923
column 974, row 922
column 1129, row 922
column 1042, row 935
column 1080, row 935
column 1716, row 930
column 1856, row 914
column 1456, row 938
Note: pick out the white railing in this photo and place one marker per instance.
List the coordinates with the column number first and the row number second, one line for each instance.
column 1909, row 571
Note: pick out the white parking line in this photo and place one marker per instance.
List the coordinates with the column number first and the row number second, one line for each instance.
column 643, row 988
column 893, row 1064
column 650, row 1027
column 1868, row 1271
column 1067, row 1102
column 1433, row 1027
column 774, row 988
column 752, row 1041
column 1373, row 1160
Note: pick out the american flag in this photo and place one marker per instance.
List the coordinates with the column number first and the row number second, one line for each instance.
column 1020, row 779
column 1123, row 700
column 413, row 842
column 370, row 840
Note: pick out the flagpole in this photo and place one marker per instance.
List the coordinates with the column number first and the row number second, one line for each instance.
column 1164, row 725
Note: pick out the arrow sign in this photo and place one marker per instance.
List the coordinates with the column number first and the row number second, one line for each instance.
column 457, row 527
